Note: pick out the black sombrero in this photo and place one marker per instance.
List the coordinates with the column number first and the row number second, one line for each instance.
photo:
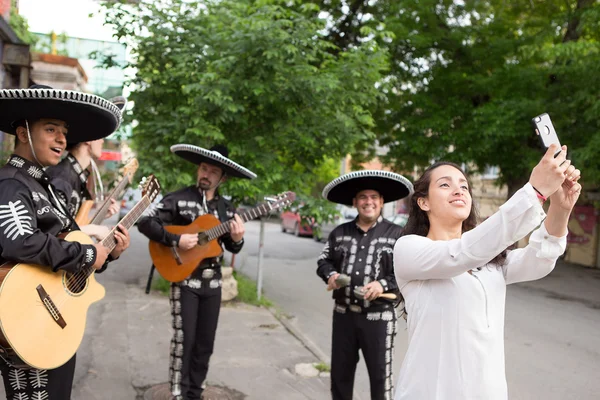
column 88, row 117
column 390, row 185
column 217, row 156
column 118, row 101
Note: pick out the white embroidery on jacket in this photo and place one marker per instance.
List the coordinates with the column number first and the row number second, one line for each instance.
column 35, row 172
column 17, row 162
column 38, row 378
column 16, row 219
column 89, row 256
column 17, row 379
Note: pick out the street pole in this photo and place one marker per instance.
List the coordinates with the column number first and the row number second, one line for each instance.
column 261, row 246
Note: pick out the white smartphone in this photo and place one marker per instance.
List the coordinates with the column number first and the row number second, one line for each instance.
column 545, row 130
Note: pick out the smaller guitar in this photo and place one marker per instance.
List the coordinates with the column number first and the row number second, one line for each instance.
column 82, row 217
column 175, row 264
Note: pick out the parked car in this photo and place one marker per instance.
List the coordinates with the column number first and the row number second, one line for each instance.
column 131, row 198
column 345, row 214
column 291, row 222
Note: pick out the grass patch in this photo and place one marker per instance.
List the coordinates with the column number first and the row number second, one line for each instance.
column 162, row 285
column 247, row 292
column 322, row 367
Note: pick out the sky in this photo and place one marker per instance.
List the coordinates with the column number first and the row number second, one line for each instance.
column 70, row 16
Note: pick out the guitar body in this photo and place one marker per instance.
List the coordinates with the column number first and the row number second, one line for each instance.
column 165, row 262
column 83, row 215
column 26, row 324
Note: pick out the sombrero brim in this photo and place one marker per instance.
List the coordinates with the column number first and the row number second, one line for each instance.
column 198, row 155
column 389, row 185
column 88, row 117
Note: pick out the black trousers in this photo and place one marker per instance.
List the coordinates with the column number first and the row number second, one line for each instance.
column 195, row 306
column 28, row 384
column 371, row 332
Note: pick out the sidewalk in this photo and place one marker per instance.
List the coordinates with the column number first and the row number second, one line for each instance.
column 255, row 356
column 570, row 282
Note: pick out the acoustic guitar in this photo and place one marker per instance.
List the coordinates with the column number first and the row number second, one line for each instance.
column 43, row 313
column 175, row 264
column 82, row 217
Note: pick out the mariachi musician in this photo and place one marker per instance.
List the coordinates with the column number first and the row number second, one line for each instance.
column 31, row 213
column 196, row 301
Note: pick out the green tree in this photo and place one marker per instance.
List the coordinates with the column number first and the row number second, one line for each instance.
column 466, row 78
column 255, row 75
column 19, row 24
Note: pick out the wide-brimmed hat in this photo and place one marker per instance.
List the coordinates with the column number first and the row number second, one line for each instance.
column 216, row 156
column 389, row 185
column 119, row 101
column 88, row 117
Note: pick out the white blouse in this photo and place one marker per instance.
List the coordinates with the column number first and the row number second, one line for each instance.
column 456, row 319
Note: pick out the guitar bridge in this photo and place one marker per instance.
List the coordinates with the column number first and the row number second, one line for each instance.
column 51, row 307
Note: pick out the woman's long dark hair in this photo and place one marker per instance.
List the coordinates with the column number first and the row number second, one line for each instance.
column 418, row 221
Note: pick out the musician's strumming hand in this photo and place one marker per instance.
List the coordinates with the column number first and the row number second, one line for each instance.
column 122, row 238
column 112, row 209
column 101, row 255
column 236, row 228
column 187, row 241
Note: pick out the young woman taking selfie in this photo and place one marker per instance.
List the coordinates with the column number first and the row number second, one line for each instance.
column 453, row 274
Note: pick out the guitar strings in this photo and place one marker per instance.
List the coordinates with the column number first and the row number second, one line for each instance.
column 82, row 276
column 78, row 279
column 99, row 215
column 109, row 241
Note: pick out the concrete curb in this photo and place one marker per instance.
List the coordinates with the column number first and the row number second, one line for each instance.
column 306, row 342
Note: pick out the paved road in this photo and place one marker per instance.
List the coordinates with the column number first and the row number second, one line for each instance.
column 552, row 346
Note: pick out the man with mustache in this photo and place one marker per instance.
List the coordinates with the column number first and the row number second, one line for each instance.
column 196, row 301
column 362, row 250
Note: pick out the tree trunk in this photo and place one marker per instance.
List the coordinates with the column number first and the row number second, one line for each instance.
column 572, row 34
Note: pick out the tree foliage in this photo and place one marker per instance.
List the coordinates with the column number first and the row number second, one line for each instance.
column 257, row 76
column 19, row 24
column 467, row 77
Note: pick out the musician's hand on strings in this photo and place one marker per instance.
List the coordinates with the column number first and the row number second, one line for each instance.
column 122, row 239
column 236, row 228
column 112, row 209
column 101, row 255
column 187, row 241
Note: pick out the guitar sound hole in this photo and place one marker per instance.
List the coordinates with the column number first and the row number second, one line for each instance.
column 75, row 283
column 202, row 239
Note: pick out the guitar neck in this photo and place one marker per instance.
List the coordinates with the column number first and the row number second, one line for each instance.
column 246, row 216
column 132, row 216
column 103, row 209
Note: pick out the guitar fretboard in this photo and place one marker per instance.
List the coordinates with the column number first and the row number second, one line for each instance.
column 133, row 215
column 246, row 216
column 109, row 241
column 101, row 213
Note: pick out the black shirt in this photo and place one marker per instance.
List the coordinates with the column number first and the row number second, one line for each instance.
column 31, row 218
column 365, row 257
column 71, row 181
